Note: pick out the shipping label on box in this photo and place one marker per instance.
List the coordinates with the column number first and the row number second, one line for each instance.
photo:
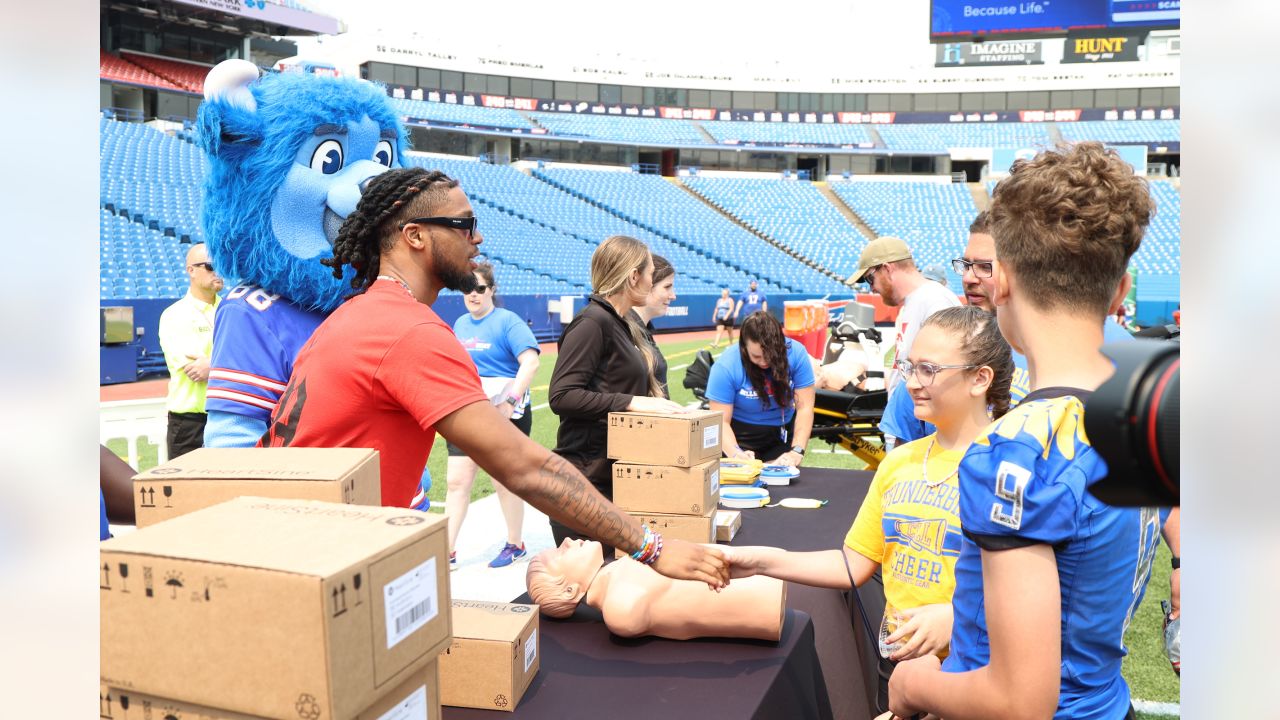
column 209, row 476
column 666, row 488
column 651, row 439
column 417, row 698
column 261, row 606
column 493, row 657
column 728, row 523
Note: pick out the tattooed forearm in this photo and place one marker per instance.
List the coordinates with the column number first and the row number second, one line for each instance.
column 559, row 490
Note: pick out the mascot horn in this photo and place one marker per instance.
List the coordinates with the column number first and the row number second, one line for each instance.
column 289, row 156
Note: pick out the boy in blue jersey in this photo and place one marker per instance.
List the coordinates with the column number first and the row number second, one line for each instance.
column 1048, row 576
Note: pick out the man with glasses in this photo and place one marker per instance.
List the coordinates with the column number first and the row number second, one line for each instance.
column 886, row 265
column 186, row 337
column 976, row 268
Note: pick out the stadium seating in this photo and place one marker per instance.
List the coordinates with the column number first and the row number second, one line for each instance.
column 1123, row 132
column 187, row 76
column 939, row 137
column 792, row 212
column 460, row 114
column 630, row 130
column 684, row 221
column 117, row 69
column 540, row 229
column 788, row 133
column 933, row 219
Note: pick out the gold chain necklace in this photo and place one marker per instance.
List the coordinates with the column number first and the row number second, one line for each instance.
column 924, row 467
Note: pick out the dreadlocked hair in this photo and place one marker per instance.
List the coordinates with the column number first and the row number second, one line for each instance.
column 762, row 328
column 363, row 236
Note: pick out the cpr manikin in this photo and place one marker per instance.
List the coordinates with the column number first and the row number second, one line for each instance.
column 636, row 600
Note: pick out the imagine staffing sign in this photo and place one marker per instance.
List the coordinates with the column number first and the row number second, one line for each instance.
column 1001, row 52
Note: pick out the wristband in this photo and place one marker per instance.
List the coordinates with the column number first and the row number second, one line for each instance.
column 1176, row 562
column 514, row 400
column 651, row 549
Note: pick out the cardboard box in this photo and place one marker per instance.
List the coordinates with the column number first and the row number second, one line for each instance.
column 256, row 605
column 209, row 476
column 493, row 657
column 666, row 488
column 693, row 528
column 728, row 523
column 651, row 439
column 417, row 698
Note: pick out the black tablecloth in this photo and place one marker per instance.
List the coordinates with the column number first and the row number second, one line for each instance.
column 848, row 654
column 589, row 673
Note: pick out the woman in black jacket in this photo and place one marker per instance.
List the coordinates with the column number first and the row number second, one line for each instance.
column 605, row 364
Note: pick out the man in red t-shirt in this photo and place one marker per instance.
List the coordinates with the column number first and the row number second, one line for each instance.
column 384, row 372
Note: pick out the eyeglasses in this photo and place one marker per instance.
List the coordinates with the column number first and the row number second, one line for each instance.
column 467, row 225
column 925, row 372
column 870, row 277
column 482, row 289
column 981, row 268
column 206, row 265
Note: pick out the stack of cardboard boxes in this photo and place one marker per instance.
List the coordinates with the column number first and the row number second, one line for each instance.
column 667, row 473
column 270, row 583
column 274, row 608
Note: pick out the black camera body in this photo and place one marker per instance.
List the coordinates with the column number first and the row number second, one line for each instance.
column 1132, row 420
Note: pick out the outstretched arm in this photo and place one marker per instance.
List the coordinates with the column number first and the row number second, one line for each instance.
column 548, row 482
column 824, row 568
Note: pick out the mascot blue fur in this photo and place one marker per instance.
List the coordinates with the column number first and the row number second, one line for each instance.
column 288, row 155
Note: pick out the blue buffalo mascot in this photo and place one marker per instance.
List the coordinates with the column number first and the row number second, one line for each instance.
column 288, row 157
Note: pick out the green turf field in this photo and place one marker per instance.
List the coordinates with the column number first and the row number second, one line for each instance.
column 1146, row 668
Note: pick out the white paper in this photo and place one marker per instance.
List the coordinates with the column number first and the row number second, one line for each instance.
column 530, row 649
column 413, row 707
column 715, row 481
column 710, row 436
column 410, row 601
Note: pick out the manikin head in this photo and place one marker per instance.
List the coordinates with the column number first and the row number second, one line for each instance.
column 558, row 579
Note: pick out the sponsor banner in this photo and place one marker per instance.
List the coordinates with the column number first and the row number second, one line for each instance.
column 953, row 20
column 999, row 52
column 269, row 12
column 1101, row 48
column 1131, row 114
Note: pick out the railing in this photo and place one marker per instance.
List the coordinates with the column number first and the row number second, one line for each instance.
column 123, row 114
column 646, row 168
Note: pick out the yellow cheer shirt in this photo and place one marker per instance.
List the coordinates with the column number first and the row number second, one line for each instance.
column 910, row 527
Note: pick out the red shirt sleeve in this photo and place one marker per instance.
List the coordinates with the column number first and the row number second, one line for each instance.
column 429, row 373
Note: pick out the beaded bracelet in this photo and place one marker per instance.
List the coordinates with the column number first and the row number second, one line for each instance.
column 651, row 549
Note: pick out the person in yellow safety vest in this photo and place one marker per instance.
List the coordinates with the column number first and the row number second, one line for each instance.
column 186, row 337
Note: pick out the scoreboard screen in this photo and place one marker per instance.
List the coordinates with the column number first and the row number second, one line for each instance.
column 954, row 20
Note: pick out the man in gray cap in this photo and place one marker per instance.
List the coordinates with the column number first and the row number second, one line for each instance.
column 886, row 266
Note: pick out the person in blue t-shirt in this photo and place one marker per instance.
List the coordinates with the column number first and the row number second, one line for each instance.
column 749, row 302
column 766, row 391
column 506, row 357
column 1048, row 576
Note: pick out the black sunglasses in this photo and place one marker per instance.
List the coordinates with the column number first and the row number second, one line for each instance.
column 465, row 224
column 482, row 289
column 205, row 265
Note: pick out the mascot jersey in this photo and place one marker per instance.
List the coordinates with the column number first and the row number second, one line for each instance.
column 288, row 157
column 1024, row 483
column 257, row 339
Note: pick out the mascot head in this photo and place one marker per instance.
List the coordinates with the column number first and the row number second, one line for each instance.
column 289, row 156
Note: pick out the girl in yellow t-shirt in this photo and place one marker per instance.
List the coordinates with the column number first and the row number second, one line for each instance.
column 958, row 374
